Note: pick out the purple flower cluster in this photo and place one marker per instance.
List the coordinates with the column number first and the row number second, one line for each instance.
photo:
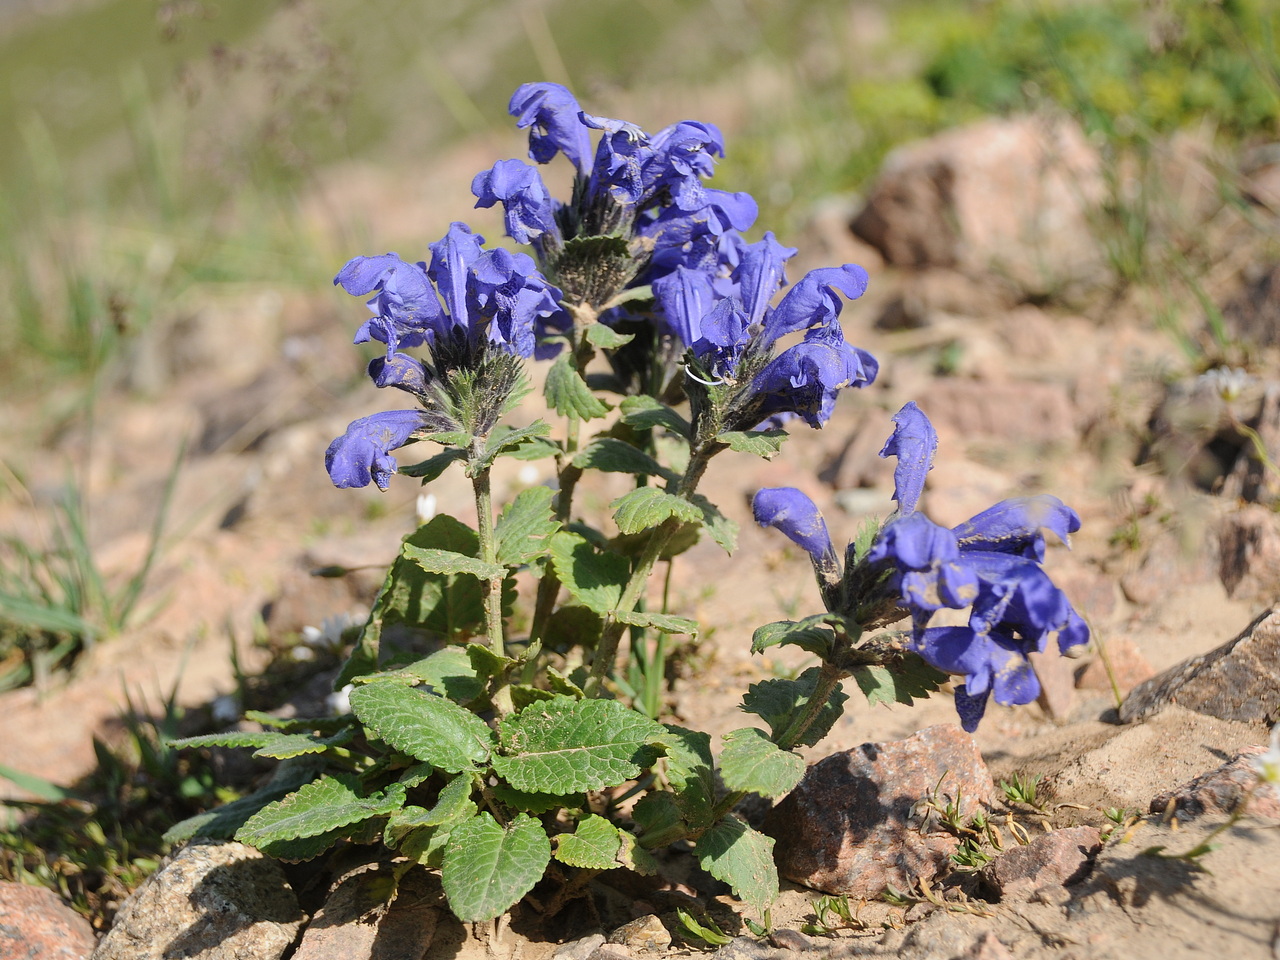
column 990, row 564
column 632, row 185
column 467, row 302
column 711, row 289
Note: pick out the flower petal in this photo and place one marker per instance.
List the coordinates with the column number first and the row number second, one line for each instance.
column 914, row 443
column 793, row 514
column 361, row 454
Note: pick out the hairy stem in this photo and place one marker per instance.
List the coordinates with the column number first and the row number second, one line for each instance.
column 491, row 588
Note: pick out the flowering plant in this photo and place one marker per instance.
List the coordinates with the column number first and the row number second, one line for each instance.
column 502, row 757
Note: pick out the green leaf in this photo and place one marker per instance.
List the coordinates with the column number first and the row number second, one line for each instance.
column 451, row 438
column 809, row 634
column 433, row 467
column 904, row 681
column 488, row 867
column 690, row 773
column 595, row 845
column 657, row 812
column 525, row 526
column 606, row 338
column 223, row 822
column 616, row 456
column 538, row 803
column 446, row 561
column 719, row 527
column 763, row 443
column 448, row 672
column 741, row 857
column 662, row 622
column 595, row 579
column 565, row 745
column 777, row 701
column 38, row 786
column 485, row 662
column 271, row 744
column 298, row 849
column 324, row 805
column 443, row 605
column 569, row 394
column 320, row 725
column 506, row 438
column 751, row 761
column 645, row 413
column 646, row 507
column 425, row 726
column 635, row 857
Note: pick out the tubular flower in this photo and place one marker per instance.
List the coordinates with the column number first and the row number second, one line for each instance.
column 989, row 565
column 466, row 302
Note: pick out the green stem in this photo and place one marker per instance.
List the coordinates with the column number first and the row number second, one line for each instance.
column 491, row 588
column 607, row 649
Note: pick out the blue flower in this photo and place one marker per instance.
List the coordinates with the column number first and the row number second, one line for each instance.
column 556, row 119
column 528, row 208
column 990, row 565
column 362, row 453
column 795, row 516
column 405, row 305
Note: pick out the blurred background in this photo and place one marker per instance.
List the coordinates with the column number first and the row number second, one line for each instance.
column 181, row 179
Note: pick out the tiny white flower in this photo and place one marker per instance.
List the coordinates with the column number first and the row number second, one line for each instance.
column 1227, row 382
column 528, row 475
column 425, row 507
column 339, row 702
column 1268, row 764
column 328, row 636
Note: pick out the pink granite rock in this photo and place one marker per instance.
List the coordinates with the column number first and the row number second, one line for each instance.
column 859, row 819
column 1221, row 791
column 1055, row 859
column 34, row 922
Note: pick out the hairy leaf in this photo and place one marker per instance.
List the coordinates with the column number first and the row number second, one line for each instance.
column 904, row 681
column 616, row 456
column 646, row 507
column 645, row 412
column 606, row 338
column 423, row 725
column 763, row 443
column 565, row 745
column 503, row 440
column 662, row 622
column 316, row 808
column 777, row 701
column 488, row 867
column 448, row 672
column 569, row 394
column 809, row 634
column 223, row 822
column 538, row 803
column 719, row 527
column 524, row 529
column 431, row 468
column 595, row 845
column 741, row 857
column 751, row 761
column 594, row 578
column 690, row 773
column 446, row 561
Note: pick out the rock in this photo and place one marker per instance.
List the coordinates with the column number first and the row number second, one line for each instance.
column 578, row 949
column 987, row 947
column 1057, row 859
column 1057, row 683
column 1249, row 553
column 1169, row 564
column 1012, row 412
column 35, row 923
column 642, row 933
column 785, row 939
column 357, row 923
column 1130, row 763
column 856, row 824
column 1221, row 791
column 1128, row 665
column 1239, row 680
column 746, row 948
column 610, row 951
column 1009, row 197
column 208, row 901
